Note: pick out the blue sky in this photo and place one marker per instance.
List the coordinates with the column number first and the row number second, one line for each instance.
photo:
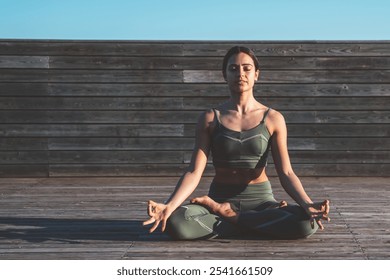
column 195, row 19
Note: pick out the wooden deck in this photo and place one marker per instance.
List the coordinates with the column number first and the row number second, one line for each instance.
column 100, row 218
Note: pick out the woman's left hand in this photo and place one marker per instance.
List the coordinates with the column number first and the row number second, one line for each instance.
column 318, row 211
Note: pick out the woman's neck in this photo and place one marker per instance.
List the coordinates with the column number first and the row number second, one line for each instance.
column 243, row 103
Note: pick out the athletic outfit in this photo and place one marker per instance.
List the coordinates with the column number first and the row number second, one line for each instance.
column 259, row 212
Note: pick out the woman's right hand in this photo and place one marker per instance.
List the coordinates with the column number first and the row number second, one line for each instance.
column 158, row 213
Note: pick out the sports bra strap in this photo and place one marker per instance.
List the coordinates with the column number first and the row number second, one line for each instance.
column 217, row 116
column 265, row 115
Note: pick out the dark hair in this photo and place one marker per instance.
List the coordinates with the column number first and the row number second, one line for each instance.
column 236, row 50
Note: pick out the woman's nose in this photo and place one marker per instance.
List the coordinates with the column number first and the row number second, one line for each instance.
column 241, row 72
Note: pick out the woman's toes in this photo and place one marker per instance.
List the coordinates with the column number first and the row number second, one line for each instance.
column 283, row 203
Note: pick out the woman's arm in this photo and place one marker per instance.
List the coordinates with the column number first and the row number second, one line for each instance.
column 287, row 177
column 190, row 179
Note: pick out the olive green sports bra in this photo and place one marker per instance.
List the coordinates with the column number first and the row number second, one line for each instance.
column 245, row 149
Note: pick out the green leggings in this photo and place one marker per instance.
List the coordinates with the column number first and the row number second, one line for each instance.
column 259, row 214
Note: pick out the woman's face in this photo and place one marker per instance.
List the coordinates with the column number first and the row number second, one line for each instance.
column 241, row 73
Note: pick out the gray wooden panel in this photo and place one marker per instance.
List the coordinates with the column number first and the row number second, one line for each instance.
column 23, row 61
column 183, row 117
column 319, row 132
column 205, row 63
column 122, row 144
column 340, row 144
column 88, row 76
column 102, row 107
column 24, row 170
column 23, row 89
column 168, row 170
column 113, row 157
column 201, row 48
column 188, row 103
column 98, row 117
column 82, row 48
column 185, row 143
column 297, row 76
column 189, row 90
column 326, row 130
column 23, row 144
column 24, row 75
column 24, row 157
column 180, row 157
column 94, row 130
column 190, row 76
column 340, row 157
column 298, row 48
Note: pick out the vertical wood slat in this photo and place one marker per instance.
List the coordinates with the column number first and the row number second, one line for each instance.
column 62, row 100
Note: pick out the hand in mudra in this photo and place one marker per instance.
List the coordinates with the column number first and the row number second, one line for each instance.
column 318, row 211
column 158, row 213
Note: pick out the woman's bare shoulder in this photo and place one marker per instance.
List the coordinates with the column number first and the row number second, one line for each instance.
column 207, row 118
column 275, row 120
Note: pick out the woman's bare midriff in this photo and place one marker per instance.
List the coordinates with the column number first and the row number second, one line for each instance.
column 240, row 176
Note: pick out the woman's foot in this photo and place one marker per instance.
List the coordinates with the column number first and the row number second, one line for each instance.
column 224, row 210
column 282, row 204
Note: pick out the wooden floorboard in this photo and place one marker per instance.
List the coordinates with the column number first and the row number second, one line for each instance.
column 100, row 218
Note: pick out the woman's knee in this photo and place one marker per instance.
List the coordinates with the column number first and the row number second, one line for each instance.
column 190, row 222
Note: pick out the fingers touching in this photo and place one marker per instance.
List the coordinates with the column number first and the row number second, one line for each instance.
column 155, row 212
column 321, row 214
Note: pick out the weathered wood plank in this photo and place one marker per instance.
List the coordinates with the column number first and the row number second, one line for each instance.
column 24, row 75
column 176, row 157
column 319, row 49
column 24, row 157
column 297, row 76
column 329, row 130
column 201, row 48
column 32, row 144
column 82, row 48
column 108, row 157
column 58, row 130
column 113, row 170
column 186, row 144
column 23, row 89
column 339, row 144
column 87, row 76
column 188, row 103
column 24, row 170
column 209, row 63
column 191, row 76
column 182, row 117
column 23, row 61
column 119, row 144
column 108, row 117
column 316, row 134
column 190, row 90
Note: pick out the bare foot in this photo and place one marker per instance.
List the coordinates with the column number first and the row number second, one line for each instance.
column 223, row 210
column 283, row 203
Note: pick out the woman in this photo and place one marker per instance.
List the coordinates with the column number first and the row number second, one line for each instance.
column 239, row 133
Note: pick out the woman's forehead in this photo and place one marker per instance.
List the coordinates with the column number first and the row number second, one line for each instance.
column 240, row 58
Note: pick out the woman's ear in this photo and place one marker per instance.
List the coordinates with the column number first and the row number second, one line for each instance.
column 257, row 75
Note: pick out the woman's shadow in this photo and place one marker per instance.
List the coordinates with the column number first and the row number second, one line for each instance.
column 64, row 230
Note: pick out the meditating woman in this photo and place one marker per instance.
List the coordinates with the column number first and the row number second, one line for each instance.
column 239, row 134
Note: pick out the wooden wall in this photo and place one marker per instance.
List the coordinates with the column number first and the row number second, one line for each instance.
column 128, row 108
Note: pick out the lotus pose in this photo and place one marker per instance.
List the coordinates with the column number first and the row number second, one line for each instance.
column 239, row 133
